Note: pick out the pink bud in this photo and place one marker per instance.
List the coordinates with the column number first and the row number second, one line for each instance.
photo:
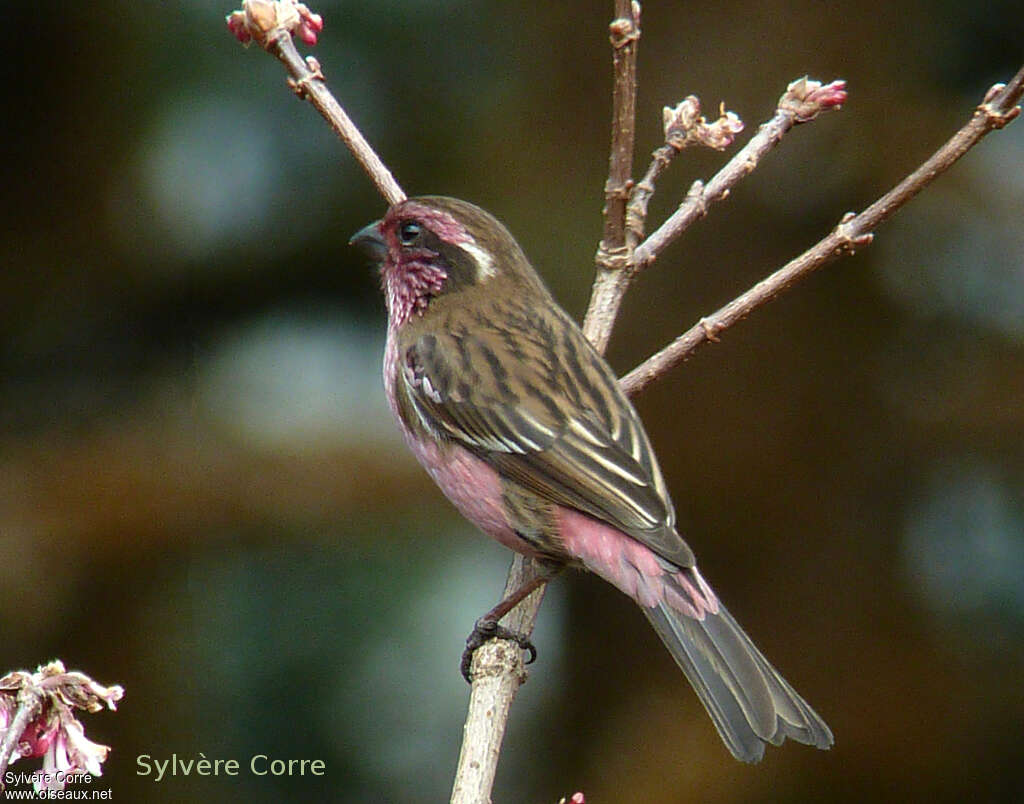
column 236, row 24
column 263, row 20
column 805, row 98
column 829, row 95
column 310, row 26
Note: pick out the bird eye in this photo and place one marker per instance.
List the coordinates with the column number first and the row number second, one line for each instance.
column 408, row 232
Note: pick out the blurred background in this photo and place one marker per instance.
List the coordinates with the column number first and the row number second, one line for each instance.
column 202, row 496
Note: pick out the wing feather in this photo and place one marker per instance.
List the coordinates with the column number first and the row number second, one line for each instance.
column 545, row 410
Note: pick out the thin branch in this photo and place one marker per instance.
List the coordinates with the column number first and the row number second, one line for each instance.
column 624, row 32
column 270, row 25
column 636, row 210
column 308, row 82
column 998, row 108
column 684, row 126
column 614, row 254
column 497, row 673
column 605, row 298
column 801, row 102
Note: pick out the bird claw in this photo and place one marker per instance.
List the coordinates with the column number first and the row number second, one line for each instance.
column 484, row 631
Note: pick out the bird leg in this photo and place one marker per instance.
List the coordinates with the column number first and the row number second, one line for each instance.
column 487, row 628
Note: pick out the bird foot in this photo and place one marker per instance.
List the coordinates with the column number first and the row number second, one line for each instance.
column 484, row 631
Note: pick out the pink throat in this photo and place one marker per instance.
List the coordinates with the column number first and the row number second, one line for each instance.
column 409, row 286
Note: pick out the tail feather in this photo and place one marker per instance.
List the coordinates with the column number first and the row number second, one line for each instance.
column 749, row 702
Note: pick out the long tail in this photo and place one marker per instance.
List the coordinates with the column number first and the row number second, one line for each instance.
column 749, row 702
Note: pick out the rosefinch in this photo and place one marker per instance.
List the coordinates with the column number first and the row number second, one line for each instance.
column 523, row 426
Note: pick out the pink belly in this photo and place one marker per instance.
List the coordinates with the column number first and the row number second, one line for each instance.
column 472, row 486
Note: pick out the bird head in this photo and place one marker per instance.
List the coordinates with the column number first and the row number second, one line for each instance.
column 433, row 246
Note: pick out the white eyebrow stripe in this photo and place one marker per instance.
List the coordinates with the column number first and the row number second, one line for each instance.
column 484, row 261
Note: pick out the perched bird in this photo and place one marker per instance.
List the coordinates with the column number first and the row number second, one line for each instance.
column 523, row 426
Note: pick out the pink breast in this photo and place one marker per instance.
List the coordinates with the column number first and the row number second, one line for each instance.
column 469, row 482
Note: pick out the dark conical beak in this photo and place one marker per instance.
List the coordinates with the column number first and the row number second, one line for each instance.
column 370, row 242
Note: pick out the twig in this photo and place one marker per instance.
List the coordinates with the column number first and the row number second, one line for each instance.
column 998, row 108
column 801, row 102
column 624, row 32
column 684, row 126
column 497, row 673
column 614, row 254
column 308, row 82
column 270, row 25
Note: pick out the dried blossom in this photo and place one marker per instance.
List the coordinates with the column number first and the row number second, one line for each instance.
column 48, row 699
column 678, row 122
column 720, row 134
column 684, row 125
